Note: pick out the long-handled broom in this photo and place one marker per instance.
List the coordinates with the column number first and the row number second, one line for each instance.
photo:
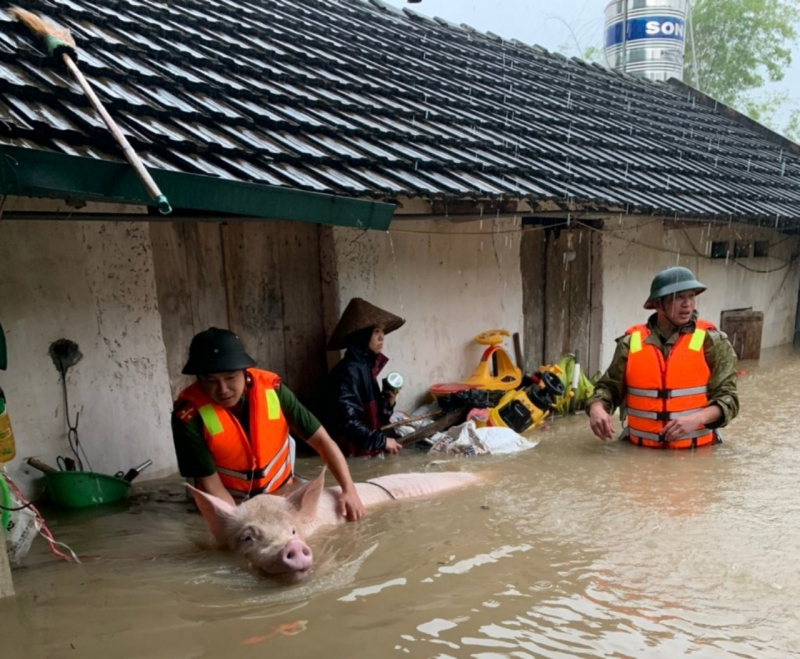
column 60, row 44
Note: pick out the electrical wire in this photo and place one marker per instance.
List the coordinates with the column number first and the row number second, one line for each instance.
column 739, row 263
column 766, row 272
column 72, row 433
column 482, row 233
column 14, row 510
column 694, row 249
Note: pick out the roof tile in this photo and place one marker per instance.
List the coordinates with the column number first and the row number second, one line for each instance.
column 357, row 97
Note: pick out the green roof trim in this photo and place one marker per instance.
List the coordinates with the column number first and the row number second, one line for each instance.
column 33, row 173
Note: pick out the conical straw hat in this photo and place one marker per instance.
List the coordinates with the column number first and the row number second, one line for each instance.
column 359, row 315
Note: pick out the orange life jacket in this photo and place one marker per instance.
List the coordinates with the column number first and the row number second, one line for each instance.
column 658, row 390
column 247, row 466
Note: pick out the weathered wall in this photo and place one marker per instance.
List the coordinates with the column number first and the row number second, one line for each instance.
column 449, row 281
column 260, row 279
column 633, row 252
column 92, row 283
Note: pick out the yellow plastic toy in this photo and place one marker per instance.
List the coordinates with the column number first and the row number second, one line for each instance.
column 523, row 409
column 515, row 410
column 506, row 377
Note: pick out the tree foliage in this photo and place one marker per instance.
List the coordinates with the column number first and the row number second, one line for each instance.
column 775, row 110
column 741, row 45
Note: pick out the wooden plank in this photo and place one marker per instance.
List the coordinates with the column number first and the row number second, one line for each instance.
column 331, row 301
column 174, row 303
column 301, row 291
column 519, row 360
column 596, row 333
column 532, row 264
column 449, row 419
column 744, row 328
column 6, row 585
column 579, row 295
column 557, row 290
column 797, row 321
column 205, row 275
column 253, row 282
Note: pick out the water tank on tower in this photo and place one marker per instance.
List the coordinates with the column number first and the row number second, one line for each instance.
column 653, row 44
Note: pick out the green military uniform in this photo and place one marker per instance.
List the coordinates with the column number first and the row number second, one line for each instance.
column 719, row 354
column 194, row 457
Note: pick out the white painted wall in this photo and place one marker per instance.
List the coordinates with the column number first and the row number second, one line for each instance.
column 634, row 251
column 449, row 281
column 92, row 283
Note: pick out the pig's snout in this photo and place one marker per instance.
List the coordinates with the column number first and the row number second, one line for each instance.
column 297, row 556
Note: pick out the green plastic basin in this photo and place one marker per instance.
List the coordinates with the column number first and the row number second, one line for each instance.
column 81, row 489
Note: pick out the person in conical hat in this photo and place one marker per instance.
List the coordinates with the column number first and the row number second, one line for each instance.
column 356, row 407
column 674, row 377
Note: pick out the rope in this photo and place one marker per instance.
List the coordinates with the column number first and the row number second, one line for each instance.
column 381, row 487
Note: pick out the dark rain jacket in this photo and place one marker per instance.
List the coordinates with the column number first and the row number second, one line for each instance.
column 355, row 408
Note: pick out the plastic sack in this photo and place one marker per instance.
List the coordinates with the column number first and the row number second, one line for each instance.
column 468, row 440
column 20, row 526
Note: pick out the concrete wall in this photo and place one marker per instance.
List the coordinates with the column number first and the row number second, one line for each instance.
column 449, row 281
column 634, row 251
column 92, row 283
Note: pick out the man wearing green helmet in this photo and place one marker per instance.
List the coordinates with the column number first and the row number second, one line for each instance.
column 231, row 427
column 674, row 378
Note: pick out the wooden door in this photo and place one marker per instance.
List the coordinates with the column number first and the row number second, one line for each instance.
column 260, row 279
column 744, row 328
column 562, row 295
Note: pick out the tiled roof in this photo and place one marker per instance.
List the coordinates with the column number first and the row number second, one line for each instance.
column 357, row 98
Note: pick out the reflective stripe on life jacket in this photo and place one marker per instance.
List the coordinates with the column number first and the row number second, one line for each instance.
column 658, row 390
column 262, row 462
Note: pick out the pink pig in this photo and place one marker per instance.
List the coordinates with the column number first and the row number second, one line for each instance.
column 269, row 530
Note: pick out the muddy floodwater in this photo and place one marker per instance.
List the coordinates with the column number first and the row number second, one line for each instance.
column 576, row 548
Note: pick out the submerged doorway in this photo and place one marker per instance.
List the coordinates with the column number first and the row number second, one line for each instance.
column 561, row 292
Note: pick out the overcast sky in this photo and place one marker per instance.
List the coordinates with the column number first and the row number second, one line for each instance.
column 550, row 24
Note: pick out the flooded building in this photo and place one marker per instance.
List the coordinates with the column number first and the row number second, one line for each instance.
column 525, row 191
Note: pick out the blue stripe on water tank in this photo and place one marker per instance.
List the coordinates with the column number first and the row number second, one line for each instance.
column 649, row 27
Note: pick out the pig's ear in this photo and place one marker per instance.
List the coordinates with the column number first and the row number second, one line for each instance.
column 215, row 511
column 306, row 499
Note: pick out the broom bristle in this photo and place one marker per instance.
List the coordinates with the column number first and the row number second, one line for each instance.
column 39, row 27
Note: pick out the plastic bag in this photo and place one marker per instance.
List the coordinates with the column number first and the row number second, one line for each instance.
column 20, row 526
column 467, row 440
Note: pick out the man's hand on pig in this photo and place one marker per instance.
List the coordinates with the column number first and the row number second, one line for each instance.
column 349, row 505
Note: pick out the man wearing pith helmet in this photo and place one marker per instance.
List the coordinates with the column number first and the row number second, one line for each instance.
column 674, row 377
column 231, row 427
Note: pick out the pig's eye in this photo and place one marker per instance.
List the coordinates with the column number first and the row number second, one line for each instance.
column 249, row 535
column 294, row 531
